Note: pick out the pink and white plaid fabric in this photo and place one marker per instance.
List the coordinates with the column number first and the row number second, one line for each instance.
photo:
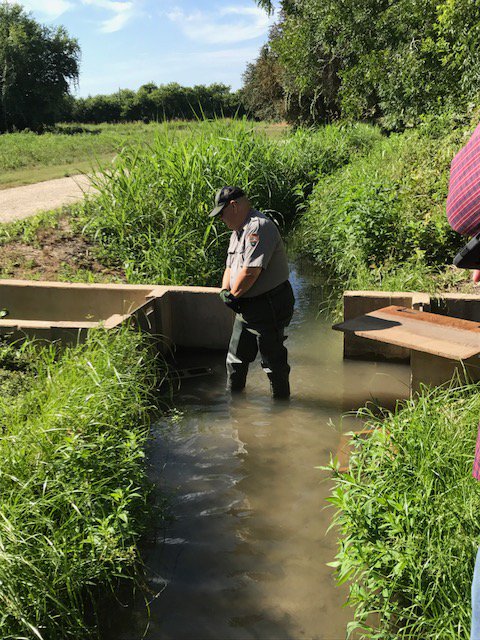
column 463, row 200
column 463, row 211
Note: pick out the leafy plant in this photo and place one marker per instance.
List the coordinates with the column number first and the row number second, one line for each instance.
column 73, row 490
column 385, row 211
column 407, row 513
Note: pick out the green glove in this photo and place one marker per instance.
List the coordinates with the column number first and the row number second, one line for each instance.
column 227, row 298
column 4, row 313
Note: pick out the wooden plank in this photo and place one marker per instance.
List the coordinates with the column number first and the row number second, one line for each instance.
column 447, row 337
column 432, row 318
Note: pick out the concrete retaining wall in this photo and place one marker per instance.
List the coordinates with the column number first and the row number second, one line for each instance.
column 466, row 306
column 191, row 317
column 426, row 369
column 69, row 302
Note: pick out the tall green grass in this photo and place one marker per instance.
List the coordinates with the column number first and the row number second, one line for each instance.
column 408, row 516
column 68, row 144
column 73, row 491
column 72, row 143
column 151, row 214
column 381, row 218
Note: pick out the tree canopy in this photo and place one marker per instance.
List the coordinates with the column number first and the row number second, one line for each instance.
column 386, row 60
column 37, row 65
column 152, row 102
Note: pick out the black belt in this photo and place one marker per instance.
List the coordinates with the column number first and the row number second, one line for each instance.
column 267, row 294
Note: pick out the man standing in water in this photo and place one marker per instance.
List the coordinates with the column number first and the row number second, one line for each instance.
column 255, row 285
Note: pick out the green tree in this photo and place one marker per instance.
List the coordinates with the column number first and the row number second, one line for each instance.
column 165, row 102
column 262, row 91
column 390, row 61
column 37, row 65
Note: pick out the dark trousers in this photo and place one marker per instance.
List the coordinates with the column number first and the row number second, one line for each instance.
column 260, row 326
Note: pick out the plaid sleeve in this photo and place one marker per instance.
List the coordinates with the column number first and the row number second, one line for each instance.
column 463, row 199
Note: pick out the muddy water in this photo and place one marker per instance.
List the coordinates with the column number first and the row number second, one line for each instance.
column 245, row 557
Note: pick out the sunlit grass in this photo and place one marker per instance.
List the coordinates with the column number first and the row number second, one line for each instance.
column 408, row 519
column 73, row 490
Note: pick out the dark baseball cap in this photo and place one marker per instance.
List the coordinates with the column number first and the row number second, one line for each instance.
column 223, row 197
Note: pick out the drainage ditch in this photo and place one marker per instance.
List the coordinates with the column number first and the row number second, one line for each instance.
column 245, row 554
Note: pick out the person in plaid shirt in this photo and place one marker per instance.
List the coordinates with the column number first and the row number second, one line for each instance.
column 463, row 214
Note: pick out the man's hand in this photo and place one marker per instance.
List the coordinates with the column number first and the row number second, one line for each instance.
column 227, row 298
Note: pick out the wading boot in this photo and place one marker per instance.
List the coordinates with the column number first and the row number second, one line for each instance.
column 280, row 387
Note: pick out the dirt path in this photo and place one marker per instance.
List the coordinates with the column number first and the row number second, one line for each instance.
column 22, row 202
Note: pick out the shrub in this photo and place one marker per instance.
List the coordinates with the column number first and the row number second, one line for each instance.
column 386, row 207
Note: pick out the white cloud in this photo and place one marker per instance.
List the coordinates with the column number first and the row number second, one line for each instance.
column 229, row 25
column 49, row 9
column 123, row 12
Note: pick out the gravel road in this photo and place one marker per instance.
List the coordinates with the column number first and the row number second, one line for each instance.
column 22, row 202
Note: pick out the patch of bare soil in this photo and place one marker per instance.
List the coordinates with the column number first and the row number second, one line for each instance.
column 57, row 253
column 454, row 280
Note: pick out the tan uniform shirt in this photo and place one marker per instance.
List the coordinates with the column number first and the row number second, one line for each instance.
column 258, row 244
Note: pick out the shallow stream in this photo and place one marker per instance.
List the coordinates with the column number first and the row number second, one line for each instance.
column 245, row 556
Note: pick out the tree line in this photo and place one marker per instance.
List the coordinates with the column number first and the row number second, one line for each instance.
column 151, row 102
column 387, row 61
column 39, row 65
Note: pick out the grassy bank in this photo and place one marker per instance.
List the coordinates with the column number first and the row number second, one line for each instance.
column 369, row 210
column 379, row 222
column 151, row 215
column 73, row 493
column 27, row 157
column 408, row 517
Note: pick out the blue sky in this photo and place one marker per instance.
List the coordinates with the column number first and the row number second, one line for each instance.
column 126, row 43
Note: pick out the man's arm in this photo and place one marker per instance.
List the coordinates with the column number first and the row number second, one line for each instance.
column 245, row 280
column 226, row 279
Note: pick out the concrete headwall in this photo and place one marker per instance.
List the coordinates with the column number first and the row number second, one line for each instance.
column 191, row 317
column 194, row 317
column 426, row 368
column 357, row 303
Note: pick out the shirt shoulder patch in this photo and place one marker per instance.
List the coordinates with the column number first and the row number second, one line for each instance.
column 253, row 239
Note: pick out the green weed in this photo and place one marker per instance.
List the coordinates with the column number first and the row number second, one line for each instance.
column 73, row 492
column 383, row 214
column 408, row 517
column 151, row 213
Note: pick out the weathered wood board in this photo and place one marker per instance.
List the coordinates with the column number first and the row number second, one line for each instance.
column 451, row 338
